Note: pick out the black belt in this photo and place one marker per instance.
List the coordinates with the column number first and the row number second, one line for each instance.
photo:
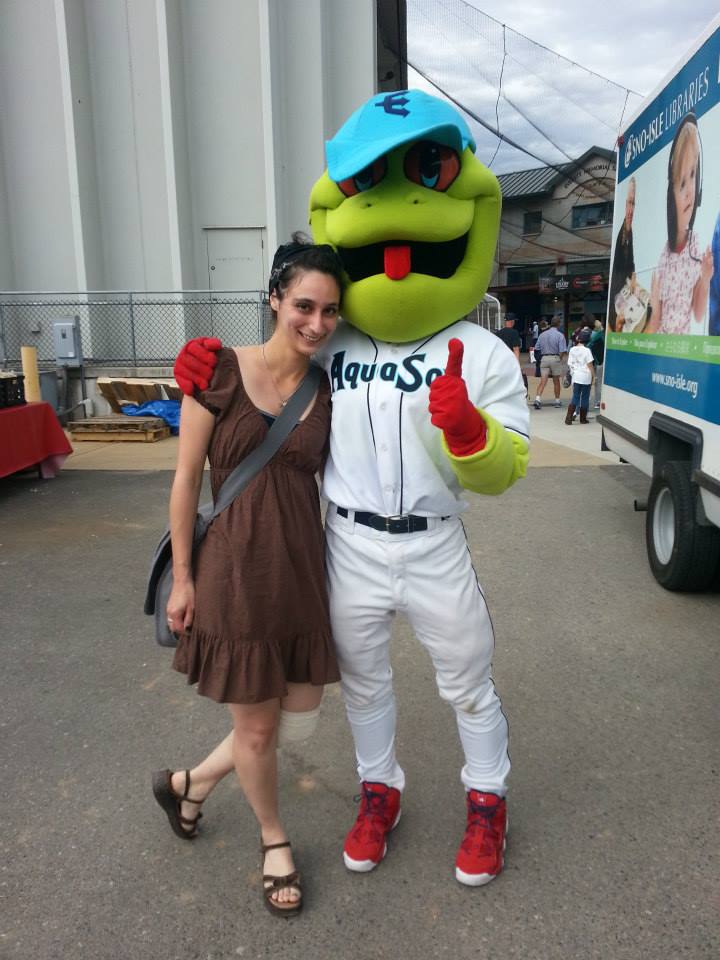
column 407, row 524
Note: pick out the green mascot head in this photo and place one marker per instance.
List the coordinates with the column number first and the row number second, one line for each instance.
column 412, row 213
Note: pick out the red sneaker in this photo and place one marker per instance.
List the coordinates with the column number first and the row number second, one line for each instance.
column 365, row 845
column 480, row 857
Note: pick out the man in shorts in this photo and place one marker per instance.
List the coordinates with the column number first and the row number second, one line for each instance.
column 553, row 347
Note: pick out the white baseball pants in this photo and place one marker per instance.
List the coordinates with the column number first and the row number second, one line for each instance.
column 427, row 576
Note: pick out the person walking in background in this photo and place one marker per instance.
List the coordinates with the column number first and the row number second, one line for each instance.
column 251, row 613
column 553, row 347
column 537, row 352
column 511, row 338
column 597, row 348
column 534, row 334
column 580, row 364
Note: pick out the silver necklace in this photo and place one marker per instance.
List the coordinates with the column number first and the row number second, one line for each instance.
column 283, row 402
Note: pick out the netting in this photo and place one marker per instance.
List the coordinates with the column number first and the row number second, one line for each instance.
column 549, row 109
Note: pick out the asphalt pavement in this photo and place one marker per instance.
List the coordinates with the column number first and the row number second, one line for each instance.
column 609, row 682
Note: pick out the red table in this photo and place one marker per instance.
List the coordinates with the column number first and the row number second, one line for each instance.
column 31, row 435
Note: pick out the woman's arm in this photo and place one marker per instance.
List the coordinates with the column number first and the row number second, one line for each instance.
column 196, row 427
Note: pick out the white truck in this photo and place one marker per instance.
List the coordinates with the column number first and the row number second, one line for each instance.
column 660, row 407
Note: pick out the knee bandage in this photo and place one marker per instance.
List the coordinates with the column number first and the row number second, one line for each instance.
column 296, row 727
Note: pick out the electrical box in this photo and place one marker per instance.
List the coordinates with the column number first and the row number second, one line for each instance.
column 67, row 343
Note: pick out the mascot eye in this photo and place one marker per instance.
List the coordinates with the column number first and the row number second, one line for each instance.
column 366, row 179
column 431, row 165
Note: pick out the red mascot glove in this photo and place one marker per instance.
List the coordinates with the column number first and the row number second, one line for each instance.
column 450, row 408
column 195, row 364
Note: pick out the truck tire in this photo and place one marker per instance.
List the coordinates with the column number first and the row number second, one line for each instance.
column 683, row 554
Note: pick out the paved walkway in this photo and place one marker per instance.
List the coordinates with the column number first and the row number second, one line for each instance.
column 554, row 444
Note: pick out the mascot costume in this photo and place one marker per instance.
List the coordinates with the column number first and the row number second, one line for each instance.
column 424, row 408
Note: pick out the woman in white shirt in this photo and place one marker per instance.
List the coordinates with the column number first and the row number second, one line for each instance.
column 580, row 364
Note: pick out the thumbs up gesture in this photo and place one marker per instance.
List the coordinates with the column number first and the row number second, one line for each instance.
column 451, row 410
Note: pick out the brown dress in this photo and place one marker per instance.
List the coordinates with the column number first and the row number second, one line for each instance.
column 261, row 607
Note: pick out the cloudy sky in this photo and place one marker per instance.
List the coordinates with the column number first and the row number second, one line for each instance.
column 550, row 107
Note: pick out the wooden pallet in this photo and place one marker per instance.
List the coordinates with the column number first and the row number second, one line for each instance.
column 111, row 429
column 136, row 390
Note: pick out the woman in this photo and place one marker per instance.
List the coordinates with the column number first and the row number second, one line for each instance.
column 252, row 616
column 623, row 265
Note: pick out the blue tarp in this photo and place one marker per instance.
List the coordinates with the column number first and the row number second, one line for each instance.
column 169, row 410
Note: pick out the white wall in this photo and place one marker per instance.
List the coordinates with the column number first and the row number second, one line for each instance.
column 7, row 272
column 38, row 184
column 120, row 198
column 132, row 128
column 80, row 138
column 320, row 65
column 223, row 108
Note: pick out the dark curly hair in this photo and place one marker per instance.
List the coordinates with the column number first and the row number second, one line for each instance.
column 298, row 257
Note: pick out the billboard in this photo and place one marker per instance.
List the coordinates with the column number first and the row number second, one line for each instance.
column 663, row 336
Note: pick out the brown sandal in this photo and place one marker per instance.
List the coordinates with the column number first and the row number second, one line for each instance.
column 272, row 883
column 171, row 803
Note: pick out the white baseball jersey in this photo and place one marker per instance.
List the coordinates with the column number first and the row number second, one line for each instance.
column 386, row 456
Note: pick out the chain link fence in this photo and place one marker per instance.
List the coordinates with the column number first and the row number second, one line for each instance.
column 130, row 328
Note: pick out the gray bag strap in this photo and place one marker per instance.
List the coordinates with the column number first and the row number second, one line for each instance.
column 255, row 461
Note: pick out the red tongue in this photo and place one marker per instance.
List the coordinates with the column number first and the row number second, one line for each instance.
column 397, row 262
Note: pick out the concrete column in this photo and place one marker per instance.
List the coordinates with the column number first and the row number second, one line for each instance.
column 318, row 65
column 39, row 169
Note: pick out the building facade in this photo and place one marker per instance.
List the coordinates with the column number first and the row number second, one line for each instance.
column 171, row 144
column 553, row 253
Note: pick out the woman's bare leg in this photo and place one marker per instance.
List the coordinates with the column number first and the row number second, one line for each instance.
column 215, row 767
column 255, row 755
column 205, row 776
column 301, row 697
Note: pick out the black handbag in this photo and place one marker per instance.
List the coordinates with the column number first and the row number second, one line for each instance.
column 160, row 579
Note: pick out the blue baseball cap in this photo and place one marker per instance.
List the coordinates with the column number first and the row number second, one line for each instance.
column 388, row 120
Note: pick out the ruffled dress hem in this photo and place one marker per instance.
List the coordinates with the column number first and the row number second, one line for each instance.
column 253, row 672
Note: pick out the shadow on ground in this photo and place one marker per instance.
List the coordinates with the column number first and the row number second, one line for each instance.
column 609, row 683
